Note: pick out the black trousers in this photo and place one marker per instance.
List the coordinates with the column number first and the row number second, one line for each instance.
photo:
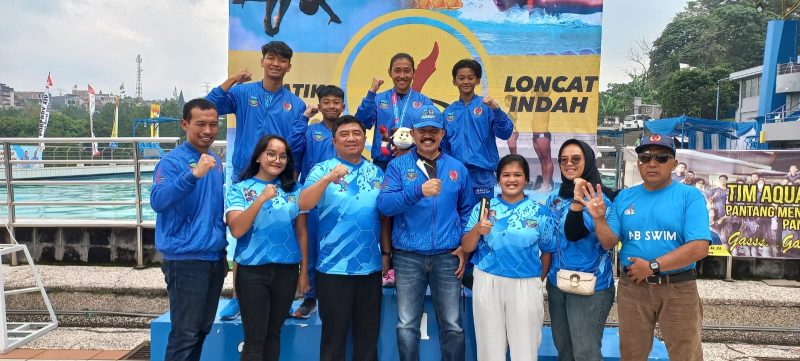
column 346, row 301
column 265, row 296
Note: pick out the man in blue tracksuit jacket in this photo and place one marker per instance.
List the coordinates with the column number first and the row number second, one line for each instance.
column 393, row 108
column 188, row 197
column 471, row 125
column 263, row 108
column 429, row 194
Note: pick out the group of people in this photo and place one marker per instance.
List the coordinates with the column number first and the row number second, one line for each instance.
column 311, row 214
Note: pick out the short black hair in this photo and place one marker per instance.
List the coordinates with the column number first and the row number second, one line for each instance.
column 346, row 119
column 514, row 158
column 723, row 176
column 399, row 56
column 278, row 48
column 330, row 90
column 199, row 103
column 469, row 64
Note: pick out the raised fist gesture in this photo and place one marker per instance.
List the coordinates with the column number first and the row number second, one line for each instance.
column 242, row 76
column 338, row 173
column 432, row 187
column 489, row 101
column 204, row 164
column 376, row 84
column 269, row 192
column 311, row 111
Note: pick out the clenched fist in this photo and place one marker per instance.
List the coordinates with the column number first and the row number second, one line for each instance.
column 376, row 84
column 311, row 111
column 485, row 225
column 432, row 187
column 269, row 192
column 337, row 173
column 242, row 76
column 490, row 102
column 204, row 165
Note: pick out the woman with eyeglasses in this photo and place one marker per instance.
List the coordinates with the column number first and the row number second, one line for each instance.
column 262, row 213
column 578, row 320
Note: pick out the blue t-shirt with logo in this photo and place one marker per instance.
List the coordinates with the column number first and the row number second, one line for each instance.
column 651, row 224
column 272, row 237
column 521, row 231
column 349, row 222
column 319, row 147
column 584, row 255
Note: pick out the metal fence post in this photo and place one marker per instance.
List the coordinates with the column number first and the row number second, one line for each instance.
column 9, row 198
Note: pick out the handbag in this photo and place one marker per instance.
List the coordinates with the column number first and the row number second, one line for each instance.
column 569, row 281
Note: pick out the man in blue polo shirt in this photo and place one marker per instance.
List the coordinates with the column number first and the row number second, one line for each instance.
column 429, row 194
column 351, row 235
column 471, row 125
column 188, row 199
column 263, row 107
column 664, row 229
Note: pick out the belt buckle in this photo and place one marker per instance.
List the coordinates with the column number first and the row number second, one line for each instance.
column 653, row 280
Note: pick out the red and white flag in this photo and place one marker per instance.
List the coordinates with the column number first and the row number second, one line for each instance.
column 49, row 81
column 95, row 150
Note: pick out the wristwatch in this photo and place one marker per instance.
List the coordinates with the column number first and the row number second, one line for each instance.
column 655, row 267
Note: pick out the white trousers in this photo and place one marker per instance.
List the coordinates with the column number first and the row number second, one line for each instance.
column 508, row 313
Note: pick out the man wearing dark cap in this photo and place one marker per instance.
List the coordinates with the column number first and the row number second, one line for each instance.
column 421, row 191
column 664, row 229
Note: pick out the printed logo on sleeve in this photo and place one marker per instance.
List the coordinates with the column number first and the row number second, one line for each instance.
column 318, row 135
column 416, row 105
column 454, row 175
column 287, row 106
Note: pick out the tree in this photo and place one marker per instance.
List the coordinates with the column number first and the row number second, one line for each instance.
column 710, row 33
column 693, row 92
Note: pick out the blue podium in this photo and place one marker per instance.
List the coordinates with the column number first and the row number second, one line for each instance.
column 300, row 338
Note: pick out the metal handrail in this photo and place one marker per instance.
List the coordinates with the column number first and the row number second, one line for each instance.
column 9, row 167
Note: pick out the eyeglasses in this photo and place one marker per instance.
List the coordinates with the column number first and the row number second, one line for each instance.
column 271, row 157
column 661, row 158
column 575, row 159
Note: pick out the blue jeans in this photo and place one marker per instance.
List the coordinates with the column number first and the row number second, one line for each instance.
column 193, row 288
column 413, row 273
column 578, row 322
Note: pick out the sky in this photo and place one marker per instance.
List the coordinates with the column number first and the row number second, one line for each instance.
column 184, row 43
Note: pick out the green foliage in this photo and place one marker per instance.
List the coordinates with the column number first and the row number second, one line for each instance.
column 693, row 92
column 709, row 34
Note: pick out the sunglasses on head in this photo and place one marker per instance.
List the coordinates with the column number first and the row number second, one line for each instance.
column 660, row 158
column 575, row 159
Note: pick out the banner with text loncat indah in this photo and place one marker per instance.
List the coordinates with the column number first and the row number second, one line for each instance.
column 752, row 196
column 541, row 59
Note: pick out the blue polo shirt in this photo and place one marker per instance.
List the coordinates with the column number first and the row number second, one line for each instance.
column 584, row 255
column 521, row 231
column 272, row 237
column 651, row 224
column 349, row 222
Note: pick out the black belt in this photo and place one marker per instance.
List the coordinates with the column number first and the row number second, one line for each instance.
column 687, row 275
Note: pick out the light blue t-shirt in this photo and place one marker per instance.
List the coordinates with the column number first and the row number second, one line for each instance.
column 521, row 230
column 584, row 255
column 272, row 237
column 651, row 224
column 349, row 222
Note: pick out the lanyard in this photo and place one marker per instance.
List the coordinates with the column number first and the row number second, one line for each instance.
column 399, row 121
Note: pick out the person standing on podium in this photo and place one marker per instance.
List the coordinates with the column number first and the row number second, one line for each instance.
column 188, row 199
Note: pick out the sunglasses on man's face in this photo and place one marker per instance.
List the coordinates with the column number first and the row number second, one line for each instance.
column 661, row 158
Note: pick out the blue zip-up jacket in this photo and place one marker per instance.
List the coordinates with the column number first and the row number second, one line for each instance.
column 470, row 132
column 378, row 110
column 319, row 148
column 189, row 210
column 427, row 225
column 257, row 115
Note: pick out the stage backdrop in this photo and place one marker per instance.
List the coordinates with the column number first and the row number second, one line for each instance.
column 541, row 58
column 752, row 196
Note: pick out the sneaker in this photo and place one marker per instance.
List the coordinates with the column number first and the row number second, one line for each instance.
column 388, row 280
column 306, row 308
column 231, row 310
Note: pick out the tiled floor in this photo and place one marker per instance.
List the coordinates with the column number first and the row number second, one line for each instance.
column 39, row 355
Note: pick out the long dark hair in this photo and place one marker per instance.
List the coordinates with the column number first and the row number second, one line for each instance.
column 286, row 177
column 590, row 172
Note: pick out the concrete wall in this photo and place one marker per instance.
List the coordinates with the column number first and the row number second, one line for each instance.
column 85, row 245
